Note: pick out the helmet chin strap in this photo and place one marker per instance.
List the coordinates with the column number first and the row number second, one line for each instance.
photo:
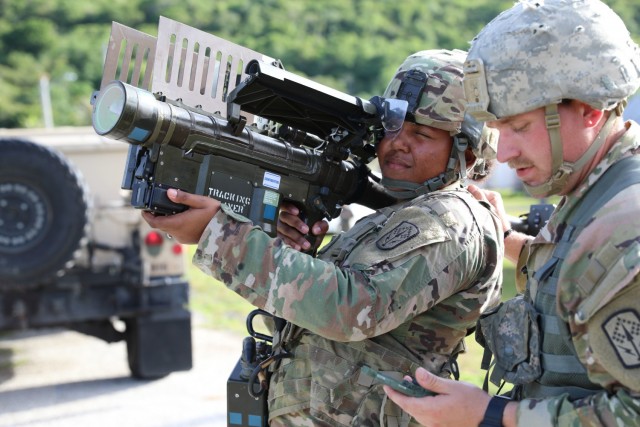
column 560, row 169
column 404, row 190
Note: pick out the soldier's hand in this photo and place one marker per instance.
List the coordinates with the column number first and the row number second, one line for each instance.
column 457, row 403
column 188, row 226
column 292, row 229
column 495, row 200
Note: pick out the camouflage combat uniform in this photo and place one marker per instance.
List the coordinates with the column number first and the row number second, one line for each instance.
column 597, row 296
column 581, row 344
column 399, row 290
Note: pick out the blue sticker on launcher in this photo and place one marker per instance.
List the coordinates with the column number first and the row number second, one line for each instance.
column 139, row 134
column 255, row 420
column 269, row 213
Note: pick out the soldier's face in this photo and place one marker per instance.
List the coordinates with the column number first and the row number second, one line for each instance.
column 525, row 145
column 415, row 154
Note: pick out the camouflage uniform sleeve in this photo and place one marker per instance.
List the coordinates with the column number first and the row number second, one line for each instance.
column 609, row 345
column 600, row 304
column 599, row 410
column 345, row 304
column 610, row 341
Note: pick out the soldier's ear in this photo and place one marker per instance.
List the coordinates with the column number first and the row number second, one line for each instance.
column 591, row 117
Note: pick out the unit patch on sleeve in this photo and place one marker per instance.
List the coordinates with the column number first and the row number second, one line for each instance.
column 403, row 232
column 623, row 331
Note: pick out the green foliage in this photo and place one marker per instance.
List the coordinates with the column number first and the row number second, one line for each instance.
column 351, row 45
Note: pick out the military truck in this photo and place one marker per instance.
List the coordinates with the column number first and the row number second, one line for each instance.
column 75, row 254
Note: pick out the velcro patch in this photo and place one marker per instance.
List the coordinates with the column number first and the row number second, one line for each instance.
column 622, row 329
column 403, row 232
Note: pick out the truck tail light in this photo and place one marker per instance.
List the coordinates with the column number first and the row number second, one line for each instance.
column 153, row 239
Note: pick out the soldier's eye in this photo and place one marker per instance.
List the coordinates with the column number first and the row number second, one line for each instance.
column 521, row 128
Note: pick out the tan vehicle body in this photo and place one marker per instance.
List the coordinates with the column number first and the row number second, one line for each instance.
column 113, row 268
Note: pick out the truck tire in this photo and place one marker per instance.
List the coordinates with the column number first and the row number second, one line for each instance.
column 159, row 344
column 43, row 214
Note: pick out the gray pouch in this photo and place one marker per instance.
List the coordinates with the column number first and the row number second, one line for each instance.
column 510, row 333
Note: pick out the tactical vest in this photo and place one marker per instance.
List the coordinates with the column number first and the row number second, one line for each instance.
column 342, row 360
column 337, row 254
column 561, row 370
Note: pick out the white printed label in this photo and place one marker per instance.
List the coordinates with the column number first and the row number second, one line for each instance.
column 271, row 180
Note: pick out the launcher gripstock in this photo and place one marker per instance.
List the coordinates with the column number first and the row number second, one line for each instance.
column 302, row 160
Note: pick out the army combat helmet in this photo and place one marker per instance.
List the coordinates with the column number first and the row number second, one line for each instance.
column 539, row 53
column 431, row 82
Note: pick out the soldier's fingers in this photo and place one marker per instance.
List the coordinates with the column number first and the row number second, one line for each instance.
column 294, row 222
column 188, row 199
column 476, row 192
column 290, row 208
column 431, row 382
column 320, row 228
column 292, row 237
column 166, row 223
column 492, row 197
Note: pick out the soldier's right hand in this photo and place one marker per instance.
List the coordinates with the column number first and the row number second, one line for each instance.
column 292, row 229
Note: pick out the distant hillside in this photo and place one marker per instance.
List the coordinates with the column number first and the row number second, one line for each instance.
column 57, row 47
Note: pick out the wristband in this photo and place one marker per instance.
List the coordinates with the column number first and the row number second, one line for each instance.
column 493, row 414
column 507, row 233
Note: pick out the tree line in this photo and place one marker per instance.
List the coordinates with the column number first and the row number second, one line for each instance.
column 56, row 48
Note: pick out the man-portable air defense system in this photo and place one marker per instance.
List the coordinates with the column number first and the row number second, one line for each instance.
column 210, row 117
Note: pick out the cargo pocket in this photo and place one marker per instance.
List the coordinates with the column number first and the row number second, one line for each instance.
column 510, row 335
column 290, row 385
column 337, row 395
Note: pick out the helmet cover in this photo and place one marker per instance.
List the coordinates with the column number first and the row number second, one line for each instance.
column 541, row 52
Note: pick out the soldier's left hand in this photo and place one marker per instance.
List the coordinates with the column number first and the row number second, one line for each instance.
column 457, row 403
column 186, row 227
column 292, row 229
column 495, row 200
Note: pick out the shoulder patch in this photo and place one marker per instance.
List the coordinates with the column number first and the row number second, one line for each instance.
column 402, row 232
column 622, row 329
column 409, row 229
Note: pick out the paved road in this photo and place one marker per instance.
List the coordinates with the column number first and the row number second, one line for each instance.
column 63, row 378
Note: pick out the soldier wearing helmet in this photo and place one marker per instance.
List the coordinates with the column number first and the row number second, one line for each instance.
column 553, row 77
column 431, row 87
column 398, row 291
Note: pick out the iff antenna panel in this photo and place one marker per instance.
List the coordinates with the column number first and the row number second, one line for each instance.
column 183, row 63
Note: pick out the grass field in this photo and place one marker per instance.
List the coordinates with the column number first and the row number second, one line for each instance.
column 220, row 308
